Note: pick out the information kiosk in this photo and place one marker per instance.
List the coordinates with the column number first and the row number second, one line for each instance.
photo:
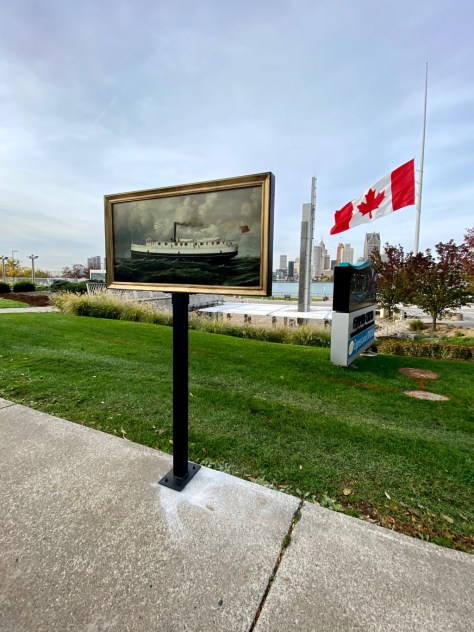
column 353, row 316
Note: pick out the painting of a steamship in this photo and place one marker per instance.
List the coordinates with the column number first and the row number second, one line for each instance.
column 212, row 237
column 215, row 249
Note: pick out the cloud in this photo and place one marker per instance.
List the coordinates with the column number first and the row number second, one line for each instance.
column 97, row 98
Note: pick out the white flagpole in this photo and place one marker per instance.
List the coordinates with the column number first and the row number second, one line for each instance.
column 418, row 202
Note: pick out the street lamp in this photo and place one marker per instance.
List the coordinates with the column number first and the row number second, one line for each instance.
column 3, row 259
column 32, row 257
column 13, row 252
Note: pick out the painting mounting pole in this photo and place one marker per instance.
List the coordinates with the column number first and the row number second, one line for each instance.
column 183, row 470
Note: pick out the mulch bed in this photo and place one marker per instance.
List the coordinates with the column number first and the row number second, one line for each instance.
column 34, row 299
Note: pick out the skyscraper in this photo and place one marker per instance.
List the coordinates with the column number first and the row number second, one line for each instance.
column 283, row 262
column 321, row 259
column 94, row 263
column 347, row 254
column 339, row 253
column 371, row 243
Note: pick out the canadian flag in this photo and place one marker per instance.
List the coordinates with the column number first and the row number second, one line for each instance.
column 389, row 194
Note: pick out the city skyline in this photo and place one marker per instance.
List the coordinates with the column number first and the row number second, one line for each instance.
column 344, row 254
column 208, row 90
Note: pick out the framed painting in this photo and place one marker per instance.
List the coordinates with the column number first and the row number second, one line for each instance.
column 208, row 237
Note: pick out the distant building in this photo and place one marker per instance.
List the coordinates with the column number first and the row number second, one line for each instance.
column 321, row 259
column 291, row 269
column 283, row 263
column 339, row 253
column 94, row 263
column 347, row 254
column 371, row 243
column 297, row 267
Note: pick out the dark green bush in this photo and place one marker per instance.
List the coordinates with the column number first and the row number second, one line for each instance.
column 62, row 285
column 4, row 288
column 24, row 286
column 58, row 284
column 76, row 288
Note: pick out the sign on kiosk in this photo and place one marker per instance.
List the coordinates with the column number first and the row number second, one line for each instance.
column 353, row 316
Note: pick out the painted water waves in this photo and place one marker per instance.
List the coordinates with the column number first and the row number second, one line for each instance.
column 239, row 272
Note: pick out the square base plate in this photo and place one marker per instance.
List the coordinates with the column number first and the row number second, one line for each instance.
column 178, row 483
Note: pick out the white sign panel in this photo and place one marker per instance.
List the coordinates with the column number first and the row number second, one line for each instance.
column 351, row 334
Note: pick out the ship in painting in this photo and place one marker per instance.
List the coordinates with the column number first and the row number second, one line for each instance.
column 194, row 249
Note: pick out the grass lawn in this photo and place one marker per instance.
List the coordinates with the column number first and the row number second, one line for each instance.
column 347, row 438
column 6, row 303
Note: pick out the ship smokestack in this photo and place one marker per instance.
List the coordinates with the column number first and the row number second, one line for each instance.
column 174, row 230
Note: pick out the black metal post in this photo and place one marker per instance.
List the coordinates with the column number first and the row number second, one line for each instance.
column 183, row 470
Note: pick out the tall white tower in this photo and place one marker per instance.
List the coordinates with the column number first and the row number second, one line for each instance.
column 306, row 247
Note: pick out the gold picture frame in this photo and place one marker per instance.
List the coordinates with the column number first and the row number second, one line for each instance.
column 211, row 237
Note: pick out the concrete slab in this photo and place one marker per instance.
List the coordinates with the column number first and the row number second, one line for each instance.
column 340, row 573
column 21, row 310
column 89, row 541
column 319, row 312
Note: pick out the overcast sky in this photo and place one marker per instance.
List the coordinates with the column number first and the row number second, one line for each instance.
column 100, row 97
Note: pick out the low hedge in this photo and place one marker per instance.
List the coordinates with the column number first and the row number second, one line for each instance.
column 24, row 286
column 4, row 288
column 438, row 350
column 61, row 285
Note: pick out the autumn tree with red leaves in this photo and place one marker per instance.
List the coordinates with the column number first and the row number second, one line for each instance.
column 393, row 282
column 440, row 283
column 77, row 271
column 436, row 284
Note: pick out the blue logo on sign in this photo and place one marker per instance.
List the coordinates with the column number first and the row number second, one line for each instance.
column 360, row 342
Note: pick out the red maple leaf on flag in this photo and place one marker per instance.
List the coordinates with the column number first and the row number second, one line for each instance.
column 372, row 202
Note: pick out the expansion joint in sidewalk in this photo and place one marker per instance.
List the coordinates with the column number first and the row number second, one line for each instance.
column 284, row 545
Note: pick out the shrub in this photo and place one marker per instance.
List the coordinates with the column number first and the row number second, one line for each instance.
column 24, row 286
column 58, row 284
column 109, row 306
column 4, row 288
column 122, row 308
column 416, row 325
column 61, row 285
column 425, row 349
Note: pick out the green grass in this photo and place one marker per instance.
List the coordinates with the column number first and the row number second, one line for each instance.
column 5, row 303
column 278, row 414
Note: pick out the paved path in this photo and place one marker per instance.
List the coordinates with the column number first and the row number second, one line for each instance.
column 90, row 542
column 20, row 310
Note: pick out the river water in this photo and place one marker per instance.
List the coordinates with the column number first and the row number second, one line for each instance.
column 318, row 289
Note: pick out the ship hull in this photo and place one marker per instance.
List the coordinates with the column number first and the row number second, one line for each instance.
column 193, row 256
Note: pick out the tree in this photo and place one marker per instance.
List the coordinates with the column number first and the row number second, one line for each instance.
column 393, row 281
column 77, row 271
column 440, row 285
column 39, row 274
column 13, row 267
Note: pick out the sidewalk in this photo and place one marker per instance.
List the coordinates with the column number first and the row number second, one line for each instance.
column 90, row 542
column 20, row 310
